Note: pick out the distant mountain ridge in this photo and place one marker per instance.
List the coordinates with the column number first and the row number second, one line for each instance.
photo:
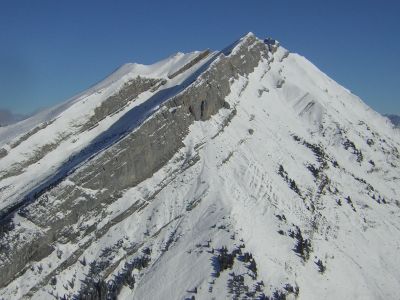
column 7, row 117
column 395, row 119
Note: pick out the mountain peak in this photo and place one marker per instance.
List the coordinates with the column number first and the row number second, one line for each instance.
column 249, row 34
column 249, row 166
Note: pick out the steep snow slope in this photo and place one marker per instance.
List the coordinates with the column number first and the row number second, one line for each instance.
column 262, row 178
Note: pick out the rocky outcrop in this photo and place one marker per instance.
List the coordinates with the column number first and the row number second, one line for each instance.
column 127, row 93
column 3, row 152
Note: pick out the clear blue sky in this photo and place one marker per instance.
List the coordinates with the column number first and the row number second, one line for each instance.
column 50, row 50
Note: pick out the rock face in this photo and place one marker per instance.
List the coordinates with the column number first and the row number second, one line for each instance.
column 129, row 91
column 243, row 165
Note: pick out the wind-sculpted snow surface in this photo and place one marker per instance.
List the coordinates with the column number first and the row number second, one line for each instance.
column 248, row 174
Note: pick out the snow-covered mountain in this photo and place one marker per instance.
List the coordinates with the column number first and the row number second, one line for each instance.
column 245, row 173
